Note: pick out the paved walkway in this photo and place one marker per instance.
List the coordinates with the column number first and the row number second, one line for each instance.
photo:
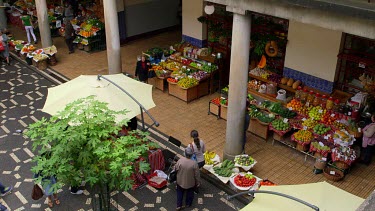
column 23, row 93
column 278, row 163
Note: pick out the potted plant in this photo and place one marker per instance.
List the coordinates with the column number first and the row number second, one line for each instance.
column 84, row 143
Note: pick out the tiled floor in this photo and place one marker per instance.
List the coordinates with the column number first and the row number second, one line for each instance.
column 278, row 163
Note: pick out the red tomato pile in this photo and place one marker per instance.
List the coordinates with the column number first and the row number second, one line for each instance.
column 172, row 80
column 244, row 181
column 216, row 101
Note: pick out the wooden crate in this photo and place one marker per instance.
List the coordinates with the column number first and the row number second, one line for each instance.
column 214, row 109
column 258, row 129
column 223, row 112
column 159, row 83
column 203, row 88
column 186, row 95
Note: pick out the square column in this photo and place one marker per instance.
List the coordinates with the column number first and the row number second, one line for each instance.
column 238, row 79
column 43, row 23
column 112, row 37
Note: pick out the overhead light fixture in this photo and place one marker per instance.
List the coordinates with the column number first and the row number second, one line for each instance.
column 209, row 9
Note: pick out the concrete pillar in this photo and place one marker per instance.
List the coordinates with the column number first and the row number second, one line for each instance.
column 43, row 23
column 3, row 18
column 238, row 78
column 112, row 37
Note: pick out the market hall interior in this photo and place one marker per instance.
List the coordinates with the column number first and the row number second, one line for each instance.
column 177, row 118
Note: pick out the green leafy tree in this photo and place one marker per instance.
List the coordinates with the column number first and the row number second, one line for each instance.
column 82, row 144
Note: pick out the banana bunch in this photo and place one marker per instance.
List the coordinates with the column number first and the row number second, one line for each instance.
column 208, row 156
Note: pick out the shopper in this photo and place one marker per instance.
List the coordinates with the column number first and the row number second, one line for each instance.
column 187, row 178
column 368, row 141
column 68, row 12
column 69, row 36
column 198, row 148
column 5, row 190
column 47, row 183
column 27, row 22
column 142, row 68
column 4, row 42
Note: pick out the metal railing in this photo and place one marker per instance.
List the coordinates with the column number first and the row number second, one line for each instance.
column 140, row 105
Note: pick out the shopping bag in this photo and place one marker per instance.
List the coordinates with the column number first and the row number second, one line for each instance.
column 37, row 192
column 2, row 47
column 172, row 176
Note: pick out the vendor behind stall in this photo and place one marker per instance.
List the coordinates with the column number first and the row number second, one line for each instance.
column 368, row 142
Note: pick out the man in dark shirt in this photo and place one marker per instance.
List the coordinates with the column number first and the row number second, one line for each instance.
column 69, row 36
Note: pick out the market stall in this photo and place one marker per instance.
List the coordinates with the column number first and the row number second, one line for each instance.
column 90, row 34
column 182, row 73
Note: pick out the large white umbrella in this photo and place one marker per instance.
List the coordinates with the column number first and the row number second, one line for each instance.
column 322, row 194
column 86, row 85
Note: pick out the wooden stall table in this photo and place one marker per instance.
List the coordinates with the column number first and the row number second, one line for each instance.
column 159, row 83
column 186, row 95
column 258, row 128
column 203, row 87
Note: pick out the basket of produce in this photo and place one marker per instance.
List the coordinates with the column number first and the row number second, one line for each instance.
column 187, row 83
column 294, row 105
column 266, row 182
column 343, row 156
column 245, row 162
column 303, row 139
column 321, row 129
column 210, row 158
column 265, row 118
column 333, row 174
column 343, row 138
column 320, row 149
column 223, row 171
column 279, row 109
column 280, row 126
column 254, row 112
column 172, row 80
column 224, row 102
column 244, row 181
column 316, row 113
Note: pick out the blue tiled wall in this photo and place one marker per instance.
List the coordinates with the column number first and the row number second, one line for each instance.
column 309, row 80
column 194, row 41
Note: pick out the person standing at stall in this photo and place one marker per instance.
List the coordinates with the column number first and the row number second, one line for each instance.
column 368, row 141
column 198, row 148
column 69, row 35
column 187, row 178
column 4, row 42
column 27, row 22
column 142, row 68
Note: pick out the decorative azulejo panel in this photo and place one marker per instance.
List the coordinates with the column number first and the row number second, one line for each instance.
column 194, row 41
column 309, row 80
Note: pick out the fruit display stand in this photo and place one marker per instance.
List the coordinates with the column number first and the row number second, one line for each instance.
column 214, row 107
column 186, row 95
column 223, row 111
column 160, row 83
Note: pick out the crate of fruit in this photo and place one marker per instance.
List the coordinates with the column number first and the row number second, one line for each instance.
column 245, row 181
column 245, row 162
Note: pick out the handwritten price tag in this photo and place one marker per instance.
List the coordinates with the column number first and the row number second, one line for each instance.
column 184, row 67
column 332, row 172
column 285, row 120
column 321, row 144
column 199, row 65
column 320, row 111
column 325, row 137
column 162, row 60
column 359, row 130
column 349, row 113
column 332, row 115
column 290, row 108
column 303, row 119
column 305, row 127
column 324, row 159
column 209, row 64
